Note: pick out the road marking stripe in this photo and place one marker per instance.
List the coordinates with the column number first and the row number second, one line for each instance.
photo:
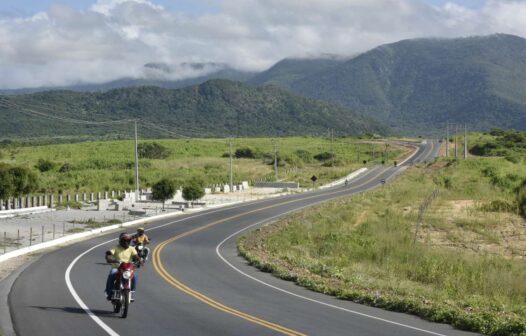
column 158, row 266
column 301, row 296
column 77, row 298
column 174, row 282
column 104, row 326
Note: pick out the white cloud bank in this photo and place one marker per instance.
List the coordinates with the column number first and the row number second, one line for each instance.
column 115, row 38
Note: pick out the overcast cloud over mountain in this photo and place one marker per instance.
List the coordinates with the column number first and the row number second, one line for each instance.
column 113, row 39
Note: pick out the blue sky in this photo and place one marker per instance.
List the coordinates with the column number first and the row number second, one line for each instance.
column 28, row 7
column 75, row 47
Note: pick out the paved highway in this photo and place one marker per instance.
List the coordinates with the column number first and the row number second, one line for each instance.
column 196, row 284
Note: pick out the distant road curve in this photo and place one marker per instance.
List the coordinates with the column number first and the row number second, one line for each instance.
column 196, row 284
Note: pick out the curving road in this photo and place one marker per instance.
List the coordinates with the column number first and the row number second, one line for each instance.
column 196, row 284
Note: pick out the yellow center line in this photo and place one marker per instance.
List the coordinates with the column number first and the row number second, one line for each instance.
column 159, row 268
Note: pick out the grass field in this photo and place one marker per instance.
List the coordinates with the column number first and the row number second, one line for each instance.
column 466, row 264
column 108, row 165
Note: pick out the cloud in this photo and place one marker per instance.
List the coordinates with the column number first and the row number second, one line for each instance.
column 114, row 38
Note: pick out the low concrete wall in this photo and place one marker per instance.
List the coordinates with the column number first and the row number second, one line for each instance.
column 342, row 180
column 283, row 185
column 25, row 211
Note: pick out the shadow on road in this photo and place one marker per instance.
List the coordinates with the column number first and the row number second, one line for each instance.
column 77, row 310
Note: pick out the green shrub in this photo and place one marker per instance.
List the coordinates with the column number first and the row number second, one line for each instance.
column 499, row 206
column 66, row 167
column 193, row 190
column 6, row 182
column 44, row 165
column 244, row 153
column 323, row 156
column 513, row 158
column 153, row 150
column 24, row 181
column 448, row 182
column 521, row 198
column 304, row 155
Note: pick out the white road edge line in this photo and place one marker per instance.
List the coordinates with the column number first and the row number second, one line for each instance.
column 77, row 298
column 301, row 296
column 81, row 303
column 74, row 293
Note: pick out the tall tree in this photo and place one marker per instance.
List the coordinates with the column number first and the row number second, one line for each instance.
column 163, row 190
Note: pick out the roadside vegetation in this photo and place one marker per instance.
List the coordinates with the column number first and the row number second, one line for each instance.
column 463, row 264
column 109, row 165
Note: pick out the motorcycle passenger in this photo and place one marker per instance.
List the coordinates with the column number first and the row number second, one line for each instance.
column 140, row 238
column 117, row 255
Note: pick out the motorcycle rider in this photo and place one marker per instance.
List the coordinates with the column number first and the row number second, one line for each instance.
column 140, row 238
column 120, row 253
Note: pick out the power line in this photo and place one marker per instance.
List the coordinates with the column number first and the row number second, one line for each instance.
column 51, row 108
column 32, row 112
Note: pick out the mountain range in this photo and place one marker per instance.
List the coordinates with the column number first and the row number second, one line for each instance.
column 216, row 108
column 412, row 86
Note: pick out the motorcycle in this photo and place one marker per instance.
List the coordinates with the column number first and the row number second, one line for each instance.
column 122, row 293
column 141, row 251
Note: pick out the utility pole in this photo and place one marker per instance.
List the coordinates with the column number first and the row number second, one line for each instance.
column 231, row 169
column 447, row 139
column 465, row 141
column 332, row 147
column 276, row 160
column 456, row 147
column 136, row 165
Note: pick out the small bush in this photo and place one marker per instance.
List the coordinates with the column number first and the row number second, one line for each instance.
column 521, row 198
column 244, row 153
column 66, row 167
column 153, row 150
column 513, row 158
column 304, row 155
column 448, row 183
column 498, row 206
column 44, row 165
column 268, row 158
column 323, row 156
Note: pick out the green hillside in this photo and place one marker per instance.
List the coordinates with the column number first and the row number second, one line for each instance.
column 417, row 85
column 217, row 108
column 290, row 70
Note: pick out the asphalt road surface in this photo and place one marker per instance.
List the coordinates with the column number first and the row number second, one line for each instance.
column 195, row 284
